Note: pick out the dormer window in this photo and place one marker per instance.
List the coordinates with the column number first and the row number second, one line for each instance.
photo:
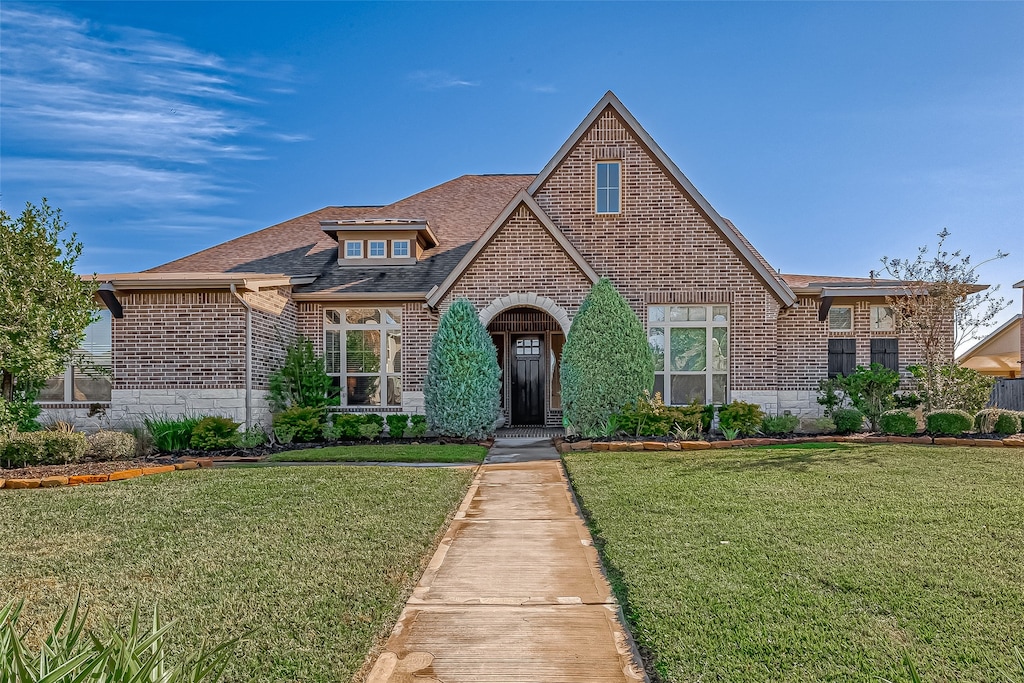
column 400, row 249
column 353, row 249
column 608, row 186
column 378, row 249
column 387, row 241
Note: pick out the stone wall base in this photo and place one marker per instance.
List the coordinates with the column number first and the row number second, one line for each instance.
column 130, row 406
column 413, row 403
column 803, row 402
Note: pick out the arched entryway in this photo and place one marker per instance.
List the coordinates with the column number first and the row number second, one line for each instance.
column 529, row 343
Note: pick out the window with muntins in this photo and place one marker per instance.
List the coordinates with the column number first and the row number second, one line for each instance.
column 691, row 353
column 353, row 249
column 87, row 378
column 363, row 353
column 400, row 249
column 378, row 249
column 608, row 187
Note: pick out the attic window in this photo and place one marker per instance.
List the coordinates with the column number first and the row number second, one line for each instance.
column 400, row 249
column 353, row 249
column 378, row 249
column 608, row 186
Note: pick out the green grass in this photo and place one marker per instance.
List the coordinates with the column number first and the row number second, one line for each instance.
column 815, row 564
column 319, row 561
column 386, row 453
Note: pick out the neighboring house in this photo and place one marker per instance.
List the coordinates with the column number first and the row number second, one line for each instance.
column 999, row 353
column 368, row 283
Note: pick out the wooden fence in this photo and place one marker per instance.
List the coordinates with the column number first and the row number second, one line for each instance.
column 1008, row 394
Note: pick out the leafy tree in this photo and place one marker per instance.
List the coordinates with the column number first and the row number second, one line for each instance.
column 942, row 306
column 302, row 381
column 46, row 306
column 954, row 387
column 871, row 390
column 461, row 390
column 606, row 361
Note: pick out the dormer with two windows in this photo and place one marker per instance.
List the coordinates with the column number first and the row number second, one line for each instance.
column 380, row 241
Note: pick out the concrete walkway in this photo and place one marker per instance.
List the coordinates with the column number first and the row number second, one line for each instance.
column 515, row 591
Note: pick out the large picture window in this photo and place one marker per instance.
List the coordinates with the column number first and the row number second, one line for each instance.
column 363, row 353
column 691, row 353
column 87, row 378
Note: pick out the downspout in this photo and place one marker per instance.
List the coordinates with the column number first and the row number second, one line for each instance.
column 248, row 357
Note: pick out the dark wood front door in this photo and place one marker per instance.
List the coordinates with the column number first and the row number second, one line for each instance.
column 527, row 380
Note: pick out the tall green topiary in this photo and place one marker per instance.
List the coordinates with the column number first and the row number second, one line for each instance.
column 606, row 361
column 461, row 390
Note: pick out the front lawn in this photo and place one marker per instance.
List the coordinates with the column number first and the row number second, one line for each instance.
column 319, row 561
column 815, row 564
column 447, row 453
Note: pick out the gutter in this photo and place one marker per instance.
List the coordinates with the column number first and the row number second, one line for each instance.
column 248, row 356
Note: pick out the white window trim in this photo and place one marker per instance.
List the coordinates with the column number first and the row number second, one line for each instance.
column 369, row 248
column 383, row 327
column 618, row 163
column 708, row 324
column 358, row 243
column 840, row 329
column 408, row 249
column 875, row 327
column 69, row 373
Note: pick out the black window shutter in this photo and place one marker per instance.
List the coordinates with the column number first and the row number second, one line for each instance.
column 842, row 356
column 886, row 351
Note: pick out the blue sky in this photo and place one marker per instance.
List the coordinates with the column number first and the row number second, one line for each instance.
column 830, row 133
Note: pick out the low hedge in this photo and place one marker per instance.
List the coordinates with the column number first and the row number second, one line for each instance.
column 26, row 449
column 898, row 423
column 997, row 421
column 948, row 422
column 110, row 445
column 848, row 420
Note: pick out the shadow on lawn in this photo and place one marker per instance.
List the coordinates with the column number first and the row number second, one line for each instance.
column 795, row 459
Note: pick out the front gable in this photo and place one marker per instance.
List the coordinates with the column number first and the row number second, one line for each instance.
column 663, row 220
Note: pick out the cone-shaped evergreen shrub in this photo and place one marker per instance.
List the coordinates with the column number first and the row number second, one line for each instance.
column 606, row 361
column 462, row 384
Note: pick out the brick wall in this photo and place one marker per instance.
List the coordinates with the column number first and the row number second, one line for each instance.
column 659, row 243
column 418, row 327
column 274, row 325
column 172, row 340
column 310, row 324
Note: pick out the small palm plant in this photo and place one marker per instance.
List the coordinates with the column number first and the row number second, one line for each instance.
column 72, row 654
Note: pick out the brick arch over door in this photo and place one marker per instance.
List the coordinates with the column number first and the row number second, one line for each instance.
column 517, row 300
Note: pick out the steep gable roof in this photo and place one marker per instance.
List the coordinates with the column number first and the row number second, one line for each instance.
column 522, row 198
column 736, row 241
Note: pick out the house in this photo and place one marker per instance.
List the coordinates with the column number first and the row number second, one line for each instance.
column 367, row 284
column 999, row 353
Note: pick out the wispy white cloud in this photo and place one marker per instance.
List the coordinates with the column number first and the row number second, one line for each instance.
column 439, row 80
column 542, row 88
column 116, row 116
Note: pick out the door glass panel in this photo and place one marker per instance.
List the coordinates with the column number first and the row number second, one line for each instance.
column 719, row 349
column 394, row 360
column 557, row 341
column 362, row 316
column 719, row 386
column 362, row 349
column 657, row 341
column 687, row 388
column 689, row 353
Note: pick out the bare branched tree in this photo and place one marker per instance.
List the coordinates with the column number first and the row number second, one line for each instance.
column 942, row 307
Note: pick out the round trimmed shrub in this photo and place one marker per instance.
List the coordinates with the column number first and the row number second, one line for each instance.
column 606, row 361
column 898, row 422
column 214, row 433
column 303, row 424
column 996, row 421
column 848, row 420
column 744, row 417
column 949, row 422
column 461, row 389
column 110, row 445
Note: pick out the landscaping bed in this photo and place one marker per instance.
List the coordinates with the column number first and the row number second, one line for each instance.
column 829, row 561
column 313, row 564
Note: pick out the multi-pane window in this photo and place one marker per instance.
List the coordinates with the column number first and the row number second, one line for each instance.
column 608, row 186
column 378, row 249
column 353, row 249
column 363, row 353
column 882, row 319
column 400, row 248
column 840, row 319
column 87, row 378
column 691, row 353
